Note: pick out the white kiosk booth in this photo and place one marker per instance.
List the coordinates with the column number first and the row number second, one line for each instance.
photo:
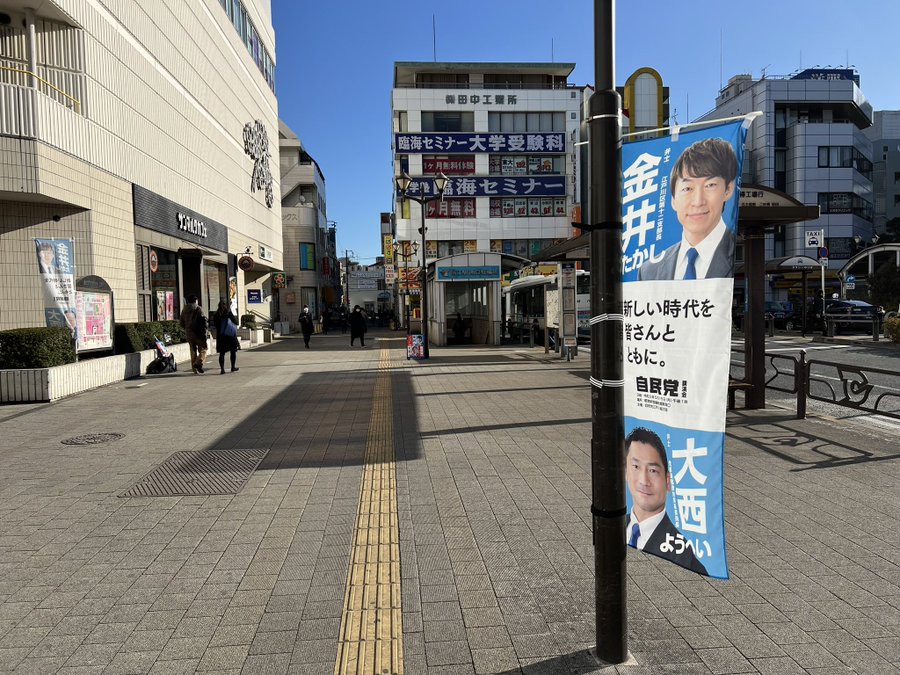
column 464, row 297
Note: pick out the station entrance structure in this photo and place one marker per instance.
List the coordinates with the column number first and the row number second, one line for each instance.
column 465, row 303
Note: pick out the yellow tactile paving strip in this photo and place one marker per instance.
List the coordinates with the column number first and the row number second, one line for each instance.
column 371, row 639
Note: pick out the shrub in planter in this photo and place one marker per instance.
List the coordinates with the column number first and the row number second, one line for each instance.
column 36, row 348
column 248, row 321
column 136, row 337
column 892, row 328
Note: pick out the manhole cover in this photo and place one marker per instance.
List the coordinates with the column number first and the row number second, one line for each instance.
column 199, row 473
column 92, row 439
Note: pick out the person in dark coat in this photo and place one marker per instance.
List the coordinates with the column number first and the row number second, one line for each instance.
column 307, row 325
column 225, row 344
column 358, row 326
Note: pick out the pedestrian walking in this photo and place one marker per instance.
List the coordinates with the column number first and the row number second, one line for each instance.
column 358, row 326
column 307, row 325
column 343, row 319
column 196, row 327
column 225, row 324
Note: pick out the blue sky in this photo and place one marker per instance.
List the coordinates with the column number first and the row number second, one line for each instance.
column 335, row 65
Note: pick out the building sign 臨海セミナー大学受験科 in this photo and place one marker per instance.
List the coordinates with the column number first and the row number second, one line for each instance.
column 466, row 143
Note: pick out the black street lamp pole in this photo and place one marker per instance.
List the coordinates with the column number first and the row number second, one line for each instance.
column 607, row 376
column 440, row 182
column 410, row 250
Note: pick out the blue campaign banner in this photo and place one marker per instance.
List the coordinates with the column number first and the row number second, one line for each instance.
column 672, row 476
column 484, row 272
column 679, row 213
column 467, row 143
column 660, row 209
column 56, row 267
column 492, row 186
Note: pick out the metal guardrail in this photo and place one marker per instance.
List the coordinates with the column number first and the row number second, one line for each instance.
column 856, row 387
column 75, row 101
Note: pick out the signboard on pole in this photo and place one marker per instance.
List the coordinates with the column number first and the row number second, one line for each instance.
column 678, row 241
column 814, row 238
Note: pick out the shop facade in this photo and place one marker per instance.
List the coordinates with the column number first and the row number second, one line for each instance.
column 157, row 181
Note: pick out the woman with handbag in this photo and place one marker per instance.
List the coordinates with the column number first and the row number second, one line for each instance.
column 225, row 324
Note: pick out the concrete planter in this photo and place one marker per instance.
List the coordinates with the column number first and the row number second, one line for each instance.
column 35, row 385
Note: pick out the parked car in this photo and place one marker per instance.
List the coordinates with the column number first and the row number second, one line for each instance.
column 851, row 315
column 776, row 310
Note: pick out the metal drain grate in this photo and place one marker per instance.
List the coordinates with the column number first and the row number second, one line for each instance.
column 199, row 473
column 92, row 439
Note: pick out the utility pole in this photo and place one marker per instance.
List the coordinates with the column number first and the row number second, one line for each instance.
column 607, row 367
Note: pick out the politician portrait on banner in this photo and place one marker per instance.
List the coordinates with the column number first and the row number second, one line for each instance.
column 679, row 216
column 56, row 267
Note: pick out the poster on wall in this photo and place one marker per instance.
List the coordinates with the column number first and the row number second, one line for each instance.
column 56, row 266
column 232, row 295
column 680, row 207
column 94, row 312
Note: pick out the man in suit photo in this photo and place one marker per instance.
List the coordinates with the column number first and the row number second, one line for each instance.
column 702, row 181
column 47, row 258
column 649, row 528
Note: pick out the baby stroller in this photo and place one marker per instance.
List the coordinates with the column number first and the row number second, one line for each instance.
column 164, row 361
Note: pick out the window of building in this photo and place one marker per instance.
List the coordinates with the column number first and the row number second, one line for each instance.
column 845, row 156
column 845, row 202
column 307, row 256
column 523, row 165
column 521, row 122
column 240, row 19
column 403, row 121
column 447, row 120
column 897, row 176
column 441, row 80
column 308, row 298
column 527, row 207
column 896, row 200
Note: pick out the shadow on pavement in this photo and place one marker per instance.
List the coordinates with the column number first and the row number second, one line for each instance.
column 321, row 418
column 779, row 436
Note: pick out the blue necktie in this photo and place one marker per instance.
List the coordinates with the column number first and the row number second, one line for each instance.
column 691, row 271
column 635, row 533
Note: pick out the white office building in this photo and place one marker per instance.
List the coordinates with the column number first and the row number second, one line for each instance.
column 809, row 143
column 504, row 134
column 142, row 133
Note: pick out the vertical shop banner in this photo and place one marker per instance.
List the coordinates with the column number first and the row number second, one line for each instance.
column 56, row 266
column 679, row 215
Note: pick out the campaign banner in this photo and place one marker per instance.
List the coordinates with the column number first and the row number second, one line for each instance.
column 679, row 214
column 56, row 266
column 415, row 346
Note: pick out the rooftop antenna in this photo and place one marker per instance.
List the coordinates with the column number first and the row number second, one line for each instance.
column 764, row 69
column 801, row 59
column 433, row 39
column 721, row 56
column 552, row 59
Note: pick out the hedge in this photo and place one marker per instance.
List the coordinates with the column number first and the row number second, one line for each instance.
column 36, row 348
column 136, row 337
column 892, row 328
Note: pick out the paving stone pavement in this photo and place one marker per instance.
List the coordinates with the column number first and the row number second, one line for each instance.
column 493, row 482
